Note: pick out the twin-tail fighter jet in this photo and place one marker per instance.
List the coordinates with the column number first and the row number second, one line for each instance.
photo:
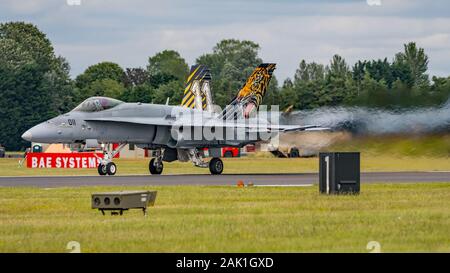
column 172, row 132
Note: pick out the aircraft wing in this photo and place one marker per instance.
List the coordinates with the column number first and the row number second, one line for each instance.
column 252, row 127
column 135, row 120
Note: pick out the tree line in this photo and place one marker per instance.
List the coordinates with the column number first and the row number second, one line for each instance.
column 35, row 84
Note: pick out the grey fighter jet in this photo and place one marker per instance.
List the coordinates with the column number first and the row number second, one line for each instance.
column 171, row 132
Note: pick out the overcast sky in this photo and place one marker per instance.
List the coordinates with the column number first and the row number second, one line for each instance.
column 129, row 31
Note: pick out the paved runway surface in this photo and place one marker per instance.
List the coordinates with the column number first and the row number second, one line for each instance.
column 224, row 179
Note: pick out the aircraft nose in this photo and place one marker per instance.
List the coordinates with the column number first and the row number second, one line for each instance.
column 27, row 136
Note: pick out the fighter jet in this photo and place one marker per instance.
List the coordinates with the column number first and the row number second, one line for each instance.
column 181, row 133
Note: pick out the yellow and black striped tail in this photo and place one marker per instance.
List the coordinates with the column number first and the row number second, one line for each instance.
column 198, row 72
column 256, row 86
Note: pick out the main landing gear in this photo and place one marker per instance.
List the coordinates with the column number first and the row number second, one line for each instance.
column 156, row 166
column 216, row 165
column 106, row 166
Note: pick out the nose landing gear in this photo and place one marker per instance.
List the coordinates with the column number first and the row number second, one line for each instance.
column 106, row 166
column 108, row 169
column 111, row 168
column 101, row 169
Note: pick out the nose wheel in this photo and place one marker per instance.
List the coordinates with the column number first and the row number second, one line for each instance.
column 108, row 169
column 111, row 168
column 101, row 169
column 106, row 166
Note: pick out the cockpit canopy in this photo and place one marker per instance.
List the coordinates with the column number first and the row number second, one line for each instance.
column 96, row 104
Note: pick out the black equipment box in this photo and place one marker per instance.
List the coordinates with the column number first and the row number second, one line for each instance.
column 123, row 200
column 339, row 172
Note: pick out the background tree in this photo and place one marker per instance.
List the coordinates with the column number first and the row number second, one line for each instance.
column 34, row 83
column 288, row 95
column 139, row 93
column 339, row 87
column 412, row 65
column 440, row 90
column 104, row 87
column 231, row 63
column 61, row 85
column 96, row 80
column 138, row 87
column 167, row 69
column 373, row 92
column 380, row 70
column 135, row 77
column 166, row 66
column 172, row 90
column 31, row 40
column 373, row 83
column 308, row 84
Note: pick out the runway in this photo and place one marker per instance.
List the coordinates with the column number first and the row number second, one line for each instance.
column 212, row 180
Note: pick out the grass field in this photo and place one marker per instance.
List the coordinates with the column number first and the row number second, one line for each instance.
column 388, row 153
column 369, row 163
column 409, row 146
column 401, row 217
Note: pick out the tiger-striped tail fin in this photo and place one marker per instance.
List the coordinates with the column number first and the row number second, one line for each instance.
column 256, row 86
column 252, row 93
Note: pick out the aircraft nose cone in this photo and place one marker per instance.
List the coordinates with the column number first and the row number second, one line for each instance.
column 27, row 136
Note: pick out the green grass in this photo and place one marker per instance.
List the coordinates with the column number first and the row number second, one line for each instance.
column 387, row 153
column 369, row 162
column 399, row 146
column 401, row 217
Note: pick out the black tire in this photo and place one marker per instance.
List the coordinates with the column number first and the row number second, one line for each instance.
column 294, row 153
column 228, row 154
column 154, row 169
column 216, row 166
column 111, row 168
column 101, row 169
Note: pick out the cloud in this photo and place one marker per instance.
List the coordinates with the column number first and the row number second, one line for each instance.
column 27, row 7
column 128, row 32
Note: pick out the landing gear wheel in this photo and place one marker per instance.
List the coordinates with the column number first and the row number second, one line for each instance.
column 294, row 153
column 111, row 168
column 101, row 169
column 155, row 169
column 216, row 166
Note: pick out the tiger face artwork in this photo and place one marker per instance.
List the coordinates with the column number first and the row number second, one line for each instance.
column 253, row 91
